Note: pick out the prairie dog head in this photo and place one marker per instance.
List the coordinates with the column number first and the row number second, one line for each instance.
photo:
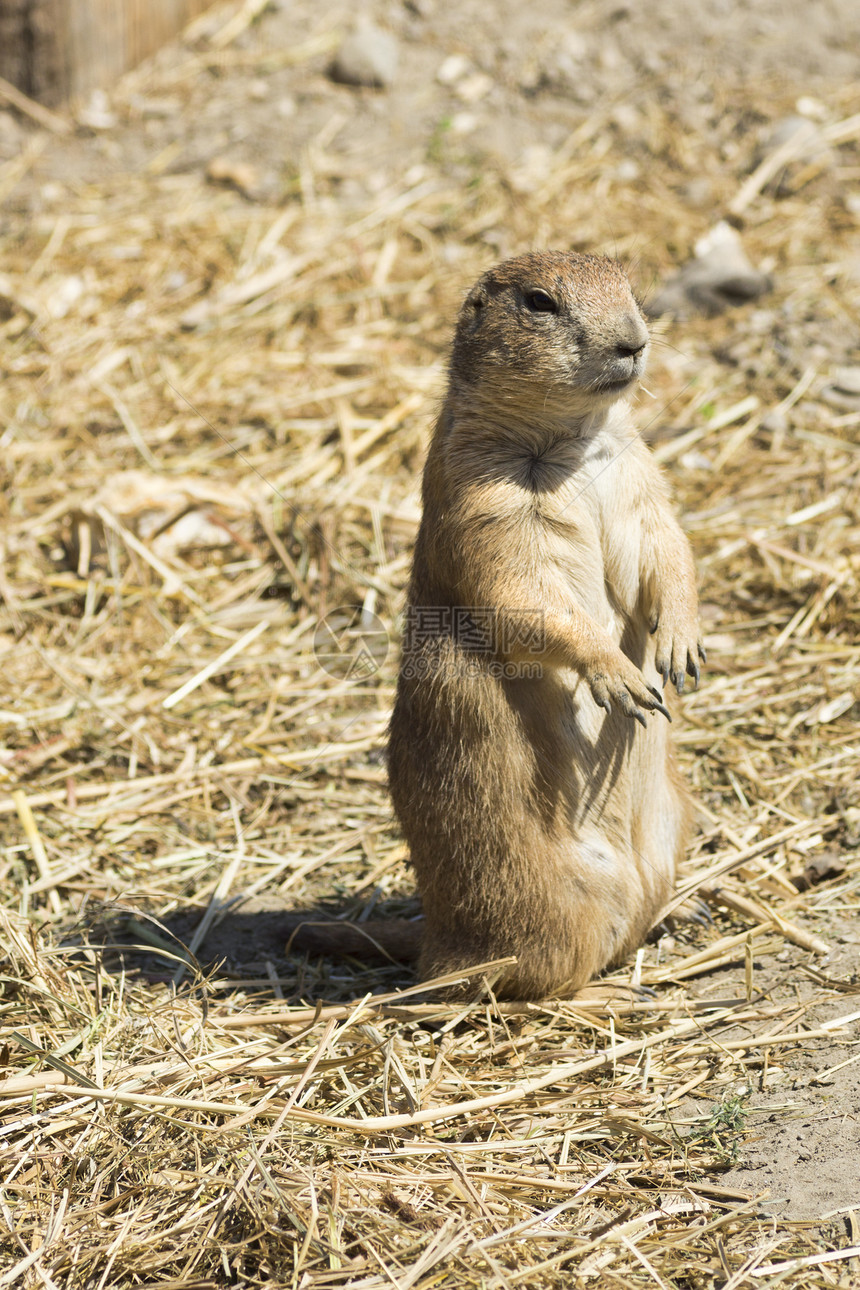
column 552, row 331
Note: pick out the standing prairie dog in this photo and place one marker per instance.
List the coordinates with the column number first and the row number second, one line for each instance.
column 529, row 760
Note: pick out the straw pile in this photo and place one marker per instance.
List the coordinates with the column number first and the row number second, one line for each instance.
column 214, row 413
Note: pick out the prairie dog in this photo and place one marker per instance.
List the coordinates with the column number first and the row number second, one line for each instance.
column 529, row 759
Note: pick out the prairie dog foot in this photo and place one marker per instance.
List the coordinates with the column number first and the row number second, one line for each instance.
column 692, row 910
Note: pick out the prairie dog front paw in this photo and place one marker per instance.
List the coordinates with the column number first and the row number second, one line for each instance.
column 615, row 679
column 679, row 648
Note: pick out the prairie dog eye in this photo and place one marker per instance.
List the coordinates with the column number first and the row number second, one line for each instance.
column 540, row 302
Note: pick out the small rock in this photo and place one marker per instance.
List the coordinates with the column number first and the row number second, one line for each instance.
column 831, row 709
column 694, row 460
column 474, row 87
column 96, row 113
column 836, row 399
column 454, row 68
column 843, row 389
column 627, row 170
column 847, row 379
column 65, row 293
column 464, row 122
column 627, row 118
column 458, row 74
column 761, row 322
column 720, row 275
column 52, row 192
column 813, row 108
column 369, row 56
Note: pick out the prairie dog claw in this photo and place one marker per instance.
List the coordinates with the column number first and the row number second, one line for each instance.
column 629, row 689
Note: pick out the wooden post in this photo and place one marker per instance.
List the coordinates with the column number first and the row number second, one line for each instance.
column 54, row 50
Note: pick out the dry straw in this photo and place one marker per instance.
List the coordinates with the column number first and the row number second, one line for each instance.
column 214, row 413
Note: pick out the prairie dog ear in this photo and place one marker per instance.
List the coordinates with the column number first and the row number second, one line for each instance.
column 477, row 298
column 472, row 313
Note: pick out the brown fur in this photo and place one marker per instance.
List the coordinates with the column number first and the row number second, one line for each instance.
column 544, row 814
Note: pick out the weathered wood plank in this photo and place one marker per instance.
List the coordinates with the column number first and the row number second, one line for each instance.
column 53, row 50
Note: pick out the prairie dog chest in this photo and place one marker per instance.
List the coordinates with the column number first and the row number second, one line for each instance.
column 589, row 512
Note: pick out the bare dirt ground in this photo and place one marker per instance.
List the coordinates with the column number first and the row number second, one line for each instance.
column 142, row 333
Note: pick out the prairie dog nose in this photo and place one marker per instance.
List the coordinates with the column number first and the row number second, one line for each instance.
column 632, row 339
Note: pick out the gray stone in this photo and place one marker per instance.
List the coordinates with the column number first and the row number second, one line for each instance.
column 847, row 379
column 368, row 56
column 719, row 275
column 843, row 389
